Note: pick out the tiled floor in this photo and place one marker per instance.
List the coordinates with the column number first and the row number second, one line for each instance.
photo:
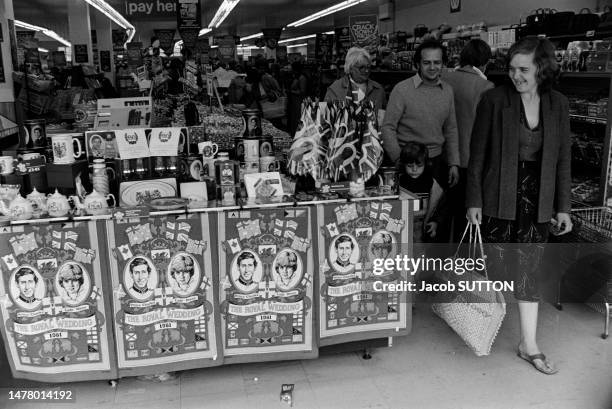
column 430, row 368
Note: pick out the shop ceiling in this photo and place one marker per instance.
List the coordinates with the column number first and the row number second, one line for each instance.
column 249, row 16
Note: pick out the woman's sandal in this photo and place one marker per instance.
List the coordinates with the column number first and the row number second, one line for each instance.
column 545, row 367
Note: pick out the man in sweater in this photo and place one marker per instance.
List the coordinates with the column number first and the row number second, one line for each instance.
column 422, row 109
column 469, row 83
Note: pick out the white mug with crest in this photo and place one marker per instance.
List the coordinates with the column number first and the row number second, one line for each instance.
column 63, row 148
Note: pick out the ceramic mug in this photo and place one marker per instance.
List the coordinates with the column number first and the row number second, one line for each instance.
column 208, row 149
column 30, row 156
column 7, row 165
column 208, row 167
column 269, row 164
column 63, row 148
column 251, row 149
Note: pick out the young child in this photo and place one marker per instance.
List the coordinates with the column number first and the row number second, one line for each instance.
column 417, row 177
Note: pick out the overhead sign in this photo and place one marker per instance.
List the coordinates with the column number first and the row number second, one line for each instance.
column 364, row 31
column 189, row 14
column 150, row 9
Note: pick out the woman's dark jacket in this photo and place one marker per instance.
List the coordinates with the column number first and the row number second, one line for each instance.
column 494, row 155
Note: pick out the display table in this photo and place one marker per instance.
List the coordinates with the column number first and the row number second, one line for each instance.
column 111, row 296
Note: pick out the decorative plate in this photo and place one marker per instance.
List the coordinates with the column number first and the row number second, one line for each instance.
column 143, row 191
column 169, row 203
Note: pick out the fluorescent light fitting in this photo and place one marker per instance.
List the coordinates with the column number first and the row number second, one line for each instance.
column 329, row 32
column 330, row 10
column 288, row 40
column 249, row 47
column 252, row 36
column 49, row 33
column 28, row 26
column 42, row 50
column 204, row 31
column 297, row 45
column 104, row 8
column 222, row 12
column 214, row 46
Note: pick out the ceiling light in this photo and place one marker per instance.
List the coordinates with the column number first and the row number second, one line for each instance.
column 297, row 45
column 222, row 12
column 252, row 36
column 249, row 47
column 104, row 8
column 297, row 38
column 330, row 10
column 204, row 31
column 42, row 50
column 47, row 32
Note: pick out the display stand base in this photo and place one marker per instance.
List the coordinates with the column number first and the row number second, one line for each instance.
column 367, row 346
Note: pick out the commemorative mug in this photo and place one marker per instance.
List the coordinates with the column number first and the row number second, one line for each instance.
column 34, row 134
column 63, row 148
column 30, row 156
column 7, row 164
column 269, row 164
column 208, row 149
column 251, row 149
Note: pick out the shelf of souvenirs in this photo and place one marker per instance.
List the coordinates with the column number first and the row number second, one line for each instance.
column 589, row 119
column 301, row 199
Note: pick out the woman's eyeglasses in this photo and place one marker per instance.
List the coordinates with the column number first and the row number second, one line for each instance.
column 363, row 68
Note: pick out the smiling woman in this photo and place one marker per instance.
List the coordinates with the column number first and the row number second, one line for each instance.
column 519, row 171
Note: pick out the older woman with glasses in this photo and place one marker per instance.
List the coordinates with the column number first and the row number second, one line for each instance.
column 355, row 85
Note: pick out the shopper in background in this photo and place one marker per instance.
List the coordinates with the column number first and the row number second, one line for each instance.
column 268, row 90
column 468, row 82
column 519, row 176
column 422, row 109
column 356, row 85
column 297, row 92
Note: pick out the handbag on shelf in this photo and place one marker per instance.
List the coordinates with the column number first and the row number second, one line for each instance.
column 559, row 23
column 606, row 20
column 477, row 315
column 583, row 22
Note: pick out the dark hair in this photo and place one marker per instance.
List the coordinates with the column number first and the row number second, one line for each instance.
column 245, row 255
column 342, row 239
column 23, row 272
column 414, row 152
column 475, row 53
column 139, row 261
column 543, row 57
column 429, row 45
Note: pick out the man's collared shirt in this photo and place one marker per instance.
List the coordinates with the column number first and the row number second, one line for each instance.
column 418, row 81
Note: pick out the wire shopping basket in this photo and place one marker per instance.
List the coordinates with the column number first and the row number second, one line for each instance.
column 592, row 225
